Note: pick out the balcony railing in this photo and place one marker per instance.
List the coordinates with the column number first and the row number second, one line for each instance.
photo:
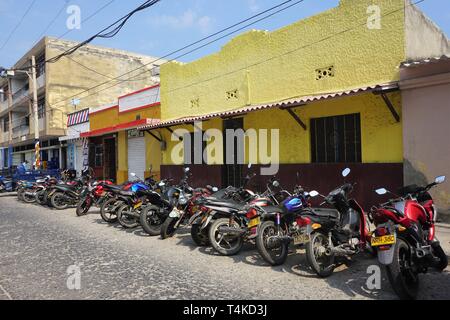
column 4, row 137
column 20, row 94
column 41, row 81
column 20, row 131
column 3, row 105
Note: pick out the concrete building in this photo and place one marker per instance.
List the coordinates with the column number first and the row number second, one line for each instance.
column 328, row 83
column 425, row 86
column 58, row 84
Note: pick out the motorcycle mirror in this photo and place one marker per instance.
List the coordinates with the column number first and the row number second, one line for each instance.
column 346, row 172
column 381, row 191
column 313, row 194
column 215, row 189
column 276, row 184
column 440, row 179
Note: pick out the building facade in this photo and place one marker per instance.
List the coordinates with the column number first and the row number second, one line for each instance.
column 62, row 89
column 116, row 147
column 425, row 88
column 328, row 84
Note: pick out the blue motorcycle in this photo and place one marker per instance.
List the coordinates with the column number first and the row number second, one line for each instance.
column 6, row 185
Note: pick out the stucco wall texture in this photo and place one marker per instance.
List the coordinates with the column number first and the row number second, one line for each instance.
column 272, row 66
column 67, row 77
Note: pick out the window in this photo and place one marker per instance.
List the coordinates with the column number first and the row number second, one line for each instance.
column 98, row 156
column 190, row 148
column 40, row 65
column 336, row 139
column 5, row 125
column 41, row 108
column 4, row 95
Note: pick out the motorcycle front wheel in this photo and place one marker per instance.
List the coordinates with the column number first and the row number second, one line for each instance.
column 28, row 197
column 274, row 252
column 126, row 218
column 83, row 206
column 200, row 236
column 319, row 261
column 223, row 243
column 168, row 228
column 58, row 201
column 151, row 221
column 403, row 279
column 41, row 197
column 108, row 211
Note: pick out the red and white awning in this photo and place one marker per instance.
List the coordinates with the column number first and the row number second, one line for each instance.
column 78, row 117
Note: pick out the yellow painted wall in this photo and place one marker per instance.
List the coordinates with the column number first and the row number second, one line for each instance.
column 112, row 117
column 258, row 65
column 381, row 135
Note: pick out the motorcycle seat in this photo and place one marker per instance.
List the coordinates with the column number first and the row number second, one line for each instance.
column 126, row 193
column 225, row 204
column 272, row 209
column 324, row 213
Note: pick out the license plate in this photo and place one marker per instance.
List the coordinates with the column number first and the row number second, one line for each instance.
column 138, row 205
column 382, row 241
column 301, row 239
column 254, row 223
column 174, row 214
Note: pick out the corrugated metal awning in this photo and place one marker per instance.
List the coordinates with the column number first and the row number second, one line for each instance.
column 280, row 104
column 414, row 63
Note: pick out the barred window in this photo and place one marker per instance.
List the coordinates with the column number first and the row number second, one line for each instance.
column 336, row 139
column 41, row 108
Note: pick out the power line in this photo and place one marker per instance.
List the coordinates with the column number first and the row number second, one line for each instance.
column 54, row 19
column 18, row 24
column 170, row 54
column 106, row 32
column 88, row 18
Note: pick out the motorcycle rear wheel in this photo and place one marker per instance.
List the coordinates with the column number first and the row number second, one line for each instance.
column 28, row 198
column 127, row 221
column 322, row 264
column 58, row 202
column 108, row 211
column 41, row 197
column 223, row 244
column 275, row 258
column 402, row 278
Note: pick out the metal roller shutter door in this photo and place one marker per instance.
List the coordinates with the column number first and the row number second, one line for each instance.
column 79, row 159
column 136, row 157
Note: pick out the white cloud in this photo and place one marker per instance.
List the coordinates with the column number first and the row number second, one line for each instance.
column 188, row 19
column 253, row 5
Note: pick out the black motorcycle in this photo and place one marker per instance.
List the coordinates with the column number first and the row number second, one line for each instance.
column 63, row 196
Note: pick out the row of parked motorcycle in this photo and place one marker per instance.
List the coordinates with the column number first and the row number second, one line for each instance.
column 403, row 237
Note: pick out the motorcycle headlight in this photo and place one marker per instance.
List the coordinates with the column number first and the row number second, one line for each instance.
column 182, row 201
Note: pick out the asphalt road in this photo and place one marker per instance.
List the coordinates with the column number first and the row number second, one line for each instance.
column 38, row 245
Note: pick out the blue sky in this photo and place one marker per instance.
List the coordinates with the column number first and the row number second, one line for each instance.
column 169, row 25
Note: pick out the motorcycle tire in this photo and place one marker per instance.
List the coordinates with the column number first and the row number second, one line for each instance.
column 168, row 228
column 28, row 198
column 235, row 243
column 83, row 207
column 57, row 201
column 150, row 221
column 442, row 256
column 322, row 269
column 200, row 236
column 41, row 197
column 405, row 284
column 265, row 230
column 125, row 220
column 106, row 211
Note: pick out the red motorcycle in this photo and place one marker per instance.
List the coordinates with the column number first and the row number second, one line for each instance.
column 405, row 237
column 93, row 194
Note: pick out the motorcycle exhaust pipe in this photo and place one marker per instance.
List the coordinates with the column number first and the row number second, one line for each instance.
column 340, row 252
column 232, row 230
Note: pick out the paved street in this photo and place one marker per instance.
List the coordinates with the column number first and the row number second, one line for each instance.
column 39, row 244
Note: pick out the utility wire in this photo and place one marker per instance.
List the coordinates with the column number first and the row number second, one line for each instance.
column 170, row 54
column 54, row 19
column 18, row 24
column 266, row 60
column 88, row 18
column 106, row 32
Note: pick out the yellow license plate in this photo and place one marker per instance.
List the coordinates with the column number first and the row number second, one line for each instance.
column 301, row 239
column 138, row 205
column 382, row 241
column 254, row 223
